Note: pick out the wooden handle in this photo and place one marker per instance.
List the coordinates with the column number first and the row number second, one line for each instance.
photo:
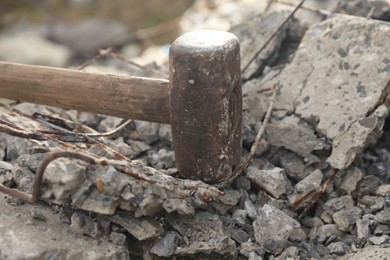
column 127, row 97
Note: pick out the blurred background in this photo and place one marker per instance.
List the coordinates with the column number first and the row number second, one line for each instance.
column 62, row 33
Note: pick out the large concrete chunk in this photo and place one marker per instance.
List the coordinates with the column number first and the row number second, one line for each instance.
column 337, row 82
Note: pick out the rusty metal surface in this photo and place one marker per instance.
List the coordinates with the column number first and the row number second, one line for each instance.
column 206, row 104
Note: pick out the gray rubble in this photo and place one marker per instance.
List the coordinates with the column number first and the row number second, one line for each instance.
column 330, row 112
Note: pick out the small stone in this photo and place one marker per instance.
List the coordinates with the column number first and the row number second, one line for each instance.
column 273, row 181
column 294, row 165
column 345, row 218
column 239, row 216
column 309, row 183
column 254, row 256
column 383, row 216
column 378, row 240
column 363, row 226
column 165, row 134
column 141, row 228
column 118, row 238
column 338, row 248
column 350, row 179
column 6, row 166
column 166, row 159
column 166, row 246
column 138, row 146
column 294, row 135
column 239, row 235
column 292, row 251
column 381, row 229
column 324, row 232
column 250, row 209
column 37, row 213
column 83, row 225
column 247, row 247
column 371, row 204
column 382, row 190
column 337, row 204
column 366, row 186
column 62, row 177
column 273, row 228
column 146, row 131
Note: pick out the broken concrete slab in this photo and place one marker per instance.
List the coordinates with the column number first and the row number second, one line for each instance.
column 333, row 75
column 255, row 32
column 23, row 237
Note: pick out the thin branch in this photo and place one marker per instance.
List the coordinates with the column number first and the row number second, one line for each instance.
column 273, row 35
column 318, row 195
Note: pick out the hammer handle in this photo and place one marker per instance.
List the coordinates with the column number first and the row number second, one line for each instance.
column 126, row 97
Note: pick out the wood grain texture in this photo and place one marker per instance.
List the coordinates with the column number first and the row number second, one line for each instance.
column 127, row 97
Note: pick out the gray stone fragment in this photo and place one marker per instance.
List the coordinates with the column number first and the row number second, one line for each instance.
column 239, row 235
column 6, row 166
column 324, row 232
column 273, row 181
column 309, row 183
column 254, row 256
column 364, row 225
column 62, row 177
column 146, row 131
column 165, row 134
column 383, row 190
column 360, row 134
column 273, row 228
column 118, row 238
column 166, row 246
column 381, row 229
column 378, row 240
column 294, row 165
column 183, row 207
column 229, row 200
column 38, row 214
column 336, row 204
column 83, row 225
column 350, row 179
column 202, row 233
column 239, row 216
column 347, row 217
column 371, row 204
column 294, row 135
column 247, row 247
column 250, row 209
column 383, row 216
column 140, row 228
column 366, row 186
column 338, row 248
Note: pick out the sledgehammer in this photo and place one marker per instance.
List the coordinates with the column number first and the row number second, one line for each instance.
column 202, row 99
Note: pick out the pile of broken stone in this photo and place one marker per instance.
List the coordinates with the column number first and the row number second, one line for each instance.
column 330, row 113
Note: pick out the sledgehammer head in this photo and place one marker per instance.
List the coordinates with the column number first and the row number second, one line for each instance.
column 206, row 104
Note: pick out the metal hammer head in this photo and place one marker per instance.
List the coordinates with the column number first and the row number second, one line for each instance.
column 206, row 104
